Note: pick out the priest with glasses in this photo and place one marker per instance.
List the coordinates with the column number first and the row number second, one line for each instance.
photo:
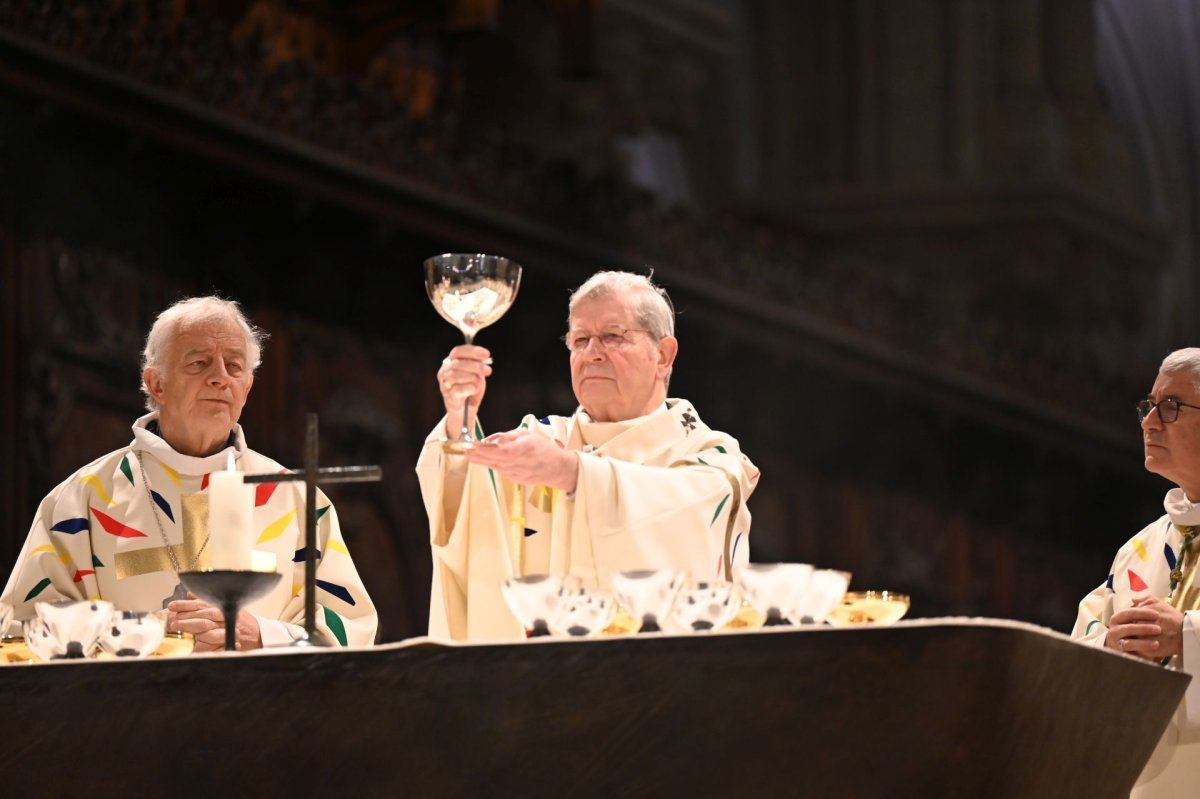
column 633, row 479
column 1148, row 606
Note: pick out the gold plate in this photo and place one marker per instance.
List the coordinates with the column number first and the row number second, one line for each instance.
column 870, row 607
column 14, row 650
column 175, row 645
column 746, row 618
column 622, row 624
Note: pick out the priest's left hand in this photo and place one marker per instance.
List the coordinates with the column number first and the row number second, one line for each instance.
column 1165, row 644
column 528, row 458
column 206, row 623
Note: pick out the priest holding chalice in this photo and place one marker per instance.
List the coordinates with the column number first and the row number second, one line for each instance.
column 124, row 527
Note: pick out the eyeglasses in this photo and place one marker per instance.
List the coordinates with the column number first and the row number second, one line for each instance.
column 612, row 339
column 1168, row 409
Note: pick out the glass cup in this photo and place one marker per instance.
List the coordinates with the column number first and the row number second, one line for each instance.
column 706, row 605
column 775, row 590
column 825, row 590
column 132, row 633
column 583, row 611
column 67, row 629
column 648, row 595
column 534, row 601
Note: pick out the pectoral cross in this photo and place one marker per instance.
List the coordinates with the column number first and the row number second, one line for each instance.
column 179, row 593
column 313, row 476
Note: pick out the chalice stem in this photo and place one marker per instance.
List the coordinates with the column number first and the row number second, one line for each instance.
column 230, row 609
column 464, row 433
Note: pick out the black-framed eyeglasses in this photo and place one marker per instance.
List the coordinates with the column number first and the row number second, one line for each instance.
column 1168, row 409
column 613, row 338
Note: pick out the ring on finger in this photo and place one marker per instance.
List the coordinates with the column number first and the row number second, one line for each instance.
column 1121, row 644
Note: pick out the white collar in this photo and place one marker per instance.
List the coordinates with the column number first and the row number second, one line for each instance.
column 152, row 443
column 1181, row 509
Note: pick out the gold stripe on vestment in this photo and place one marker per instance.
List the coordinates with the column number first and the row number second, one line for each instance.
column 150, row 560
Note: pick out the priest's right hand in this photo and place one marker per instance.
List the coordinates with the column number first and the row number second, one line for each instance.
column 1135, row 631
column 462, row 379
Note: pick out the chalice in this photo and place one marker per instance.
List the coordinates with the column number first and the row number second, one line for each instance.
column 470, row 291
column 230, row 590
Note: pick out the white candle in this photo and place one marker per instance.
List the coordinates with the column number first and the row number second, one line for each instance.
column 230, row 506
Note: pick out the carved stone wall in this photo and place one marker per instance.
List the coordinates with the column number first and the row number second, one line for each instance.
column 912, row 129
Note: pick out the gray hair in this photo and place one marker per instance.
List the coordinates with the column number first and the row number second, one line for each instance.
column 197, row 311
column 1186, row 360
column 654, row 310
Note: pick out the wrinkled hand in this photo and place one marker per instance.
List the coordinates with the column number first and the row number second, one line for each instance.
column 1151, row 629
column 528, row 458
column 462, row 379
column 207, row 624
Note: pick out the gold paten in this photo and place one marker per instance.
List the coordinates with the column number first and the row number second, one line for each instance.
column 869, row 607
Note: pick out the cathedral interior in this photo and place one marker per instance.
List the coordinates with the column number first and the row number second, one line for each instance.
column 926, row 256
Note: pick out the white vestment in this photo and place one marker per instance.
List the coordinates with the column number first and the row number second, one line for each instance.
column 1143, row 568
column 660, row 491
column 99, row 535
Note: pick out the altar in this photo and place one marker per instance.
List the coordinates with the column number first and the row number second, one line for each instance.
column 948, row 707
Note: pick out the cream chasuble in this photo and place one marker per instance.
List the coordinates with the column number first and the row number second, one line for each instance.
column 660, row 491
column 1143, row 568
column 97, row 535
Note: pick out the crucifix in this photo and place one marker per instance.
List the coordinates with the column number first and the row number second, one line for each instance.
column 313, row 476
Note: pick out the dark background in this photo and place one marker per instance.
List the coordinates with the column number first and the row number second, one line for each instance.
column 927, row 253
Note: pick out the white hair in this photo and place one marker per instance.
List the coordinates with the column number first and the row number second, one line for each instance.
column 654, row 310
column 1186, row 360
column 197, row 311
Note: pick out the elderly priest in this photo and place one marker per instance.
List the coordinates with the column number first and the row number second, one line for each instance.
column 1149, row 606
column 631, row 480
column 116, row 529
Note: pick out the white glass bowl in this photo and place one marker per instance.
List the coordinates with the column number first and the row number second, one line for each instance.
column 132, row 633
column 67, row 629
column 825, row 590
column 775, row 590
column 706, row 605
column 583, row 611
column 533, row 600
column 648, row 595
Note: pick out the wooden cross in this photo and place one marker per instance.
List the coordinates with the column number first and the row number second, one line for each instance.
column 313, row 476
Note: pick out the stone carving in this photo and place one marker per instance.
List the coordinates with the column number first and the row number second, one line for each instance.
column 973, row 304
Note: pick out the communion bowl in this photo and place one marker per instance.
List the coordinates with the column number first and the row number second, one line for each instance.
column 648, row 595
column 825, row 591
column 583, row 611
column 706, row 605
column 67, row 629
column 775, row 590
column 533, row 600
column 132, row 633
column 224, row 587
